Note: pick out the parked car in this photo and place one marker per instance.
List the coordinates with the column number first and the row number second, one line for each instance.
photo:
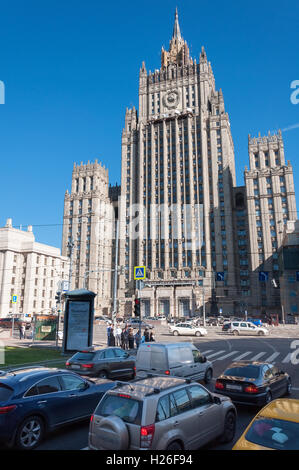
column 135, row 322
column 105, row 363
column 254, row 383
column 246, row 328
column 187, row 329
column 161, row 413
column 34, row 401
column 161, row 317
column 212, row 321
column 180, row 359
column 276, row 426
column 6, row 322
column 255, row 321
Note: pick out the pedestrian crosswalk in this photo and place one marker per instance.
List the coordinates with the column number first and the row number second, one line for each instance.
column 213, row 356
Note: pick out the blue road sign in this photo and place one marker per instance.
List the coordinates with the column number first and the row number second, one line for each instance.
column 263, row 276
column 220, row 276
column 139, row 273
column 14, row 299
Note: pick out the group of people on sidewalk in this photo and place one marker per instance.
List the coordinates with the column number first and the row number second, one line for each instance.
column 125, row 337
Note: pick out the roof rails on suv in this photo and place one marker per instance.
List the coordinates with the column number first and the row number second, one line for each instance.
column 155, row 390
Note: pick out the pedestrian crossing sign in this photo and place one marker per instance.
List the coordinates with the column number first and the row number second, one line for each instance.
column 14, row 299
column 139, row 273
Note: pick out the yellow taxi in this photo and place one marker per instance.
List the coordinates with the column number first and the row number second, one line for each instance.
column 276, row 426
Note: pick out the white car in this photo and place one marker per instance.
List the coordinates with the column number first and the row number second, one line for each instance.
column 247, row 328
column 187, row 329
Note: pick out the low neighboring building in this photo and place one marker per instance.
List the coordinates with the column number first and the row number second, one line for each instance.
column 289, row 271
column 29, row 270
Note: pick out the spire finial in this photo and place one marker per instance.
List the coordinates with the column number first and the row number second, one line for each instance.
column 176, row 28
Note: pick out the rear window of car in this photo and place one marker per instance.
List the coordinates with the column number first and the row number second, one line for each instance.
column 274, row 433
column 82, row 356
column 126, row 408
column 5, row 392
column 250, row 372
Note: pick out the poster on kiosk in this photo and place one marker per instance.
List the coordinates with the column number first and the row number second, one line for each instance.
column 78, row 320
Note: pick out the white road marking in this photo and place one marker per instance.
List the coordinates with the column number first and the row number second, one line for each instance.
column 242, row 356
column 206, row 352
column 287, row 358
column 215, row 354
column 272, row 357
column 257, row 357
column 226, row 355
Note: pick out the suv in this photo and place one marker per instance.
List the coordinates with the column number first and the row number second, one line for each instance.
column 161, row 413
column 179, row 359
column 105, row 363
column 246, row 328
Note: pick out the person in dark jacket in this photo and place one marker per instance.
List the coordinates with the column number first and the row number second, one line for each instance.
column 146, row 336
column 131, row 338
column 112, row 337
column 151, row 337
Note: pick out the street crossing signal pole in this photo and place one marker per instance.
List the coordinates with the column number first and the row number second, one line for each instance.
column 71, row 245
column 115, row 276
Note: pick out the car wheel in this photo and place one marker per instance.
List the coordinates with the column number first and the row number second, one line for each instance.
column 174, row 446
column 175, row 333
column 229, row 427
column 198, row 333
column 268, row 397
column 208, row 376
column 102, row 374
column 235, row 333
column 261, row 333
column 30, row 433
column 289, row 387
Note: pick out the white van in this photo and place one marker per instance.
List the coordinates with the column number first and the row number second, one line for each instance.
column 179, row 359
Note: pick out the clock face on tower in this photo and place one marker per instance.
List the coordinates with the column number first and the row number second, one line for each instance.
column 171, row 99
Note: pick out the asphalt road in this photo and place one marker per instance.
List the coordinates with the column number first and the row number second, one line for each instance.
column 221, row 351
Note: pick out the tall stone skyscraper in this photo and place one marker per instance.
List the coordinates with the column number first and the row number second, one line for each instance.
column 178, row 173
column 88, row 232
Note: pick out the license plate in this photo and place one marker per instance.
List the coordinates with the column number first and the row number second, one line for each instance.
column 75, row 367
column 234, row 387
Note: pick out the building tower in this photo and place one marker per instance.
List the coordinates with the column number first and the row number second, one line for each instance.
column 89, row 217
column 178, row 171
column 271, row 203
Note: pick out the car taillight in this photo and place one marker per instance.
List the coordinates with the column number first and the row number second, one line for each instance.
column 7, row 409
column 219, row 385
column 123, row 395
column 67, row 363
column 251, row 389
column 146, row 436
column 167, row 372
column 87, row 366
column 91, row 418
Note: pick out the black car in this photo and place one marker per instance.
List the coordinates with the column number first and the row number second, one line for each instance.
column 226, row 326
column 253, row 383
column 109, row 363
column 39, row 399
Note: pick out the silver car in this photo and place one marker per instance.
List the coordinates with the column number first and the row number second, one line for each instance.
column 161, row 413
column 247, row 328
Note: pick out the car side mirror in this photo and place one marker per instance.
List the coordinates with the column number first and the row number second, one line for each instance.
column 203, row 359
column 217, row 400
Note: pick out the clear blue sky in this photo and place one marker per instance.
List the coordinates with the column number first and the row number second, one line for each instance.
column 71, row 68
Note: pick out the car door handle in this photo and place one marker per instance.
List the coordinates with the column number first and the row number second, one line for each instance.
column 41, row 402
column 175, row 423
column 72, row 395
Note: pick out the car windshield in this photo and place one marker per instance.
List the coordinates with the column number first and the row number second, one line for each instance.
column 126, row 408
column 5, row 392
column 250, row 372
column 274, row 433
column 82, row 356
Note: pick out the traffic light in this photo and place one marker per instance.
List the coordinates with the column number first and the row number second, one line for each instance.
column 58, row 297
column 137, row 307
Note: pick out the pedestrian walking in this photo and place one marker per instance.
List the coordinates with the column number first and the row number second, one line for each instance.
column 20, row 330
column 146, row 335
column 118, row 336
column 108, row 333
column 151, row 336
column 131, row 338
column 112, row 337
column 122, row 339
column 24, row 330
column 137, row 339
column 126, row 337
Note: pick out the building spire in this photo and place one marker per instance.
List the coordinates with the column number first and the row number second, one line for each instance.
column 176, row 29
